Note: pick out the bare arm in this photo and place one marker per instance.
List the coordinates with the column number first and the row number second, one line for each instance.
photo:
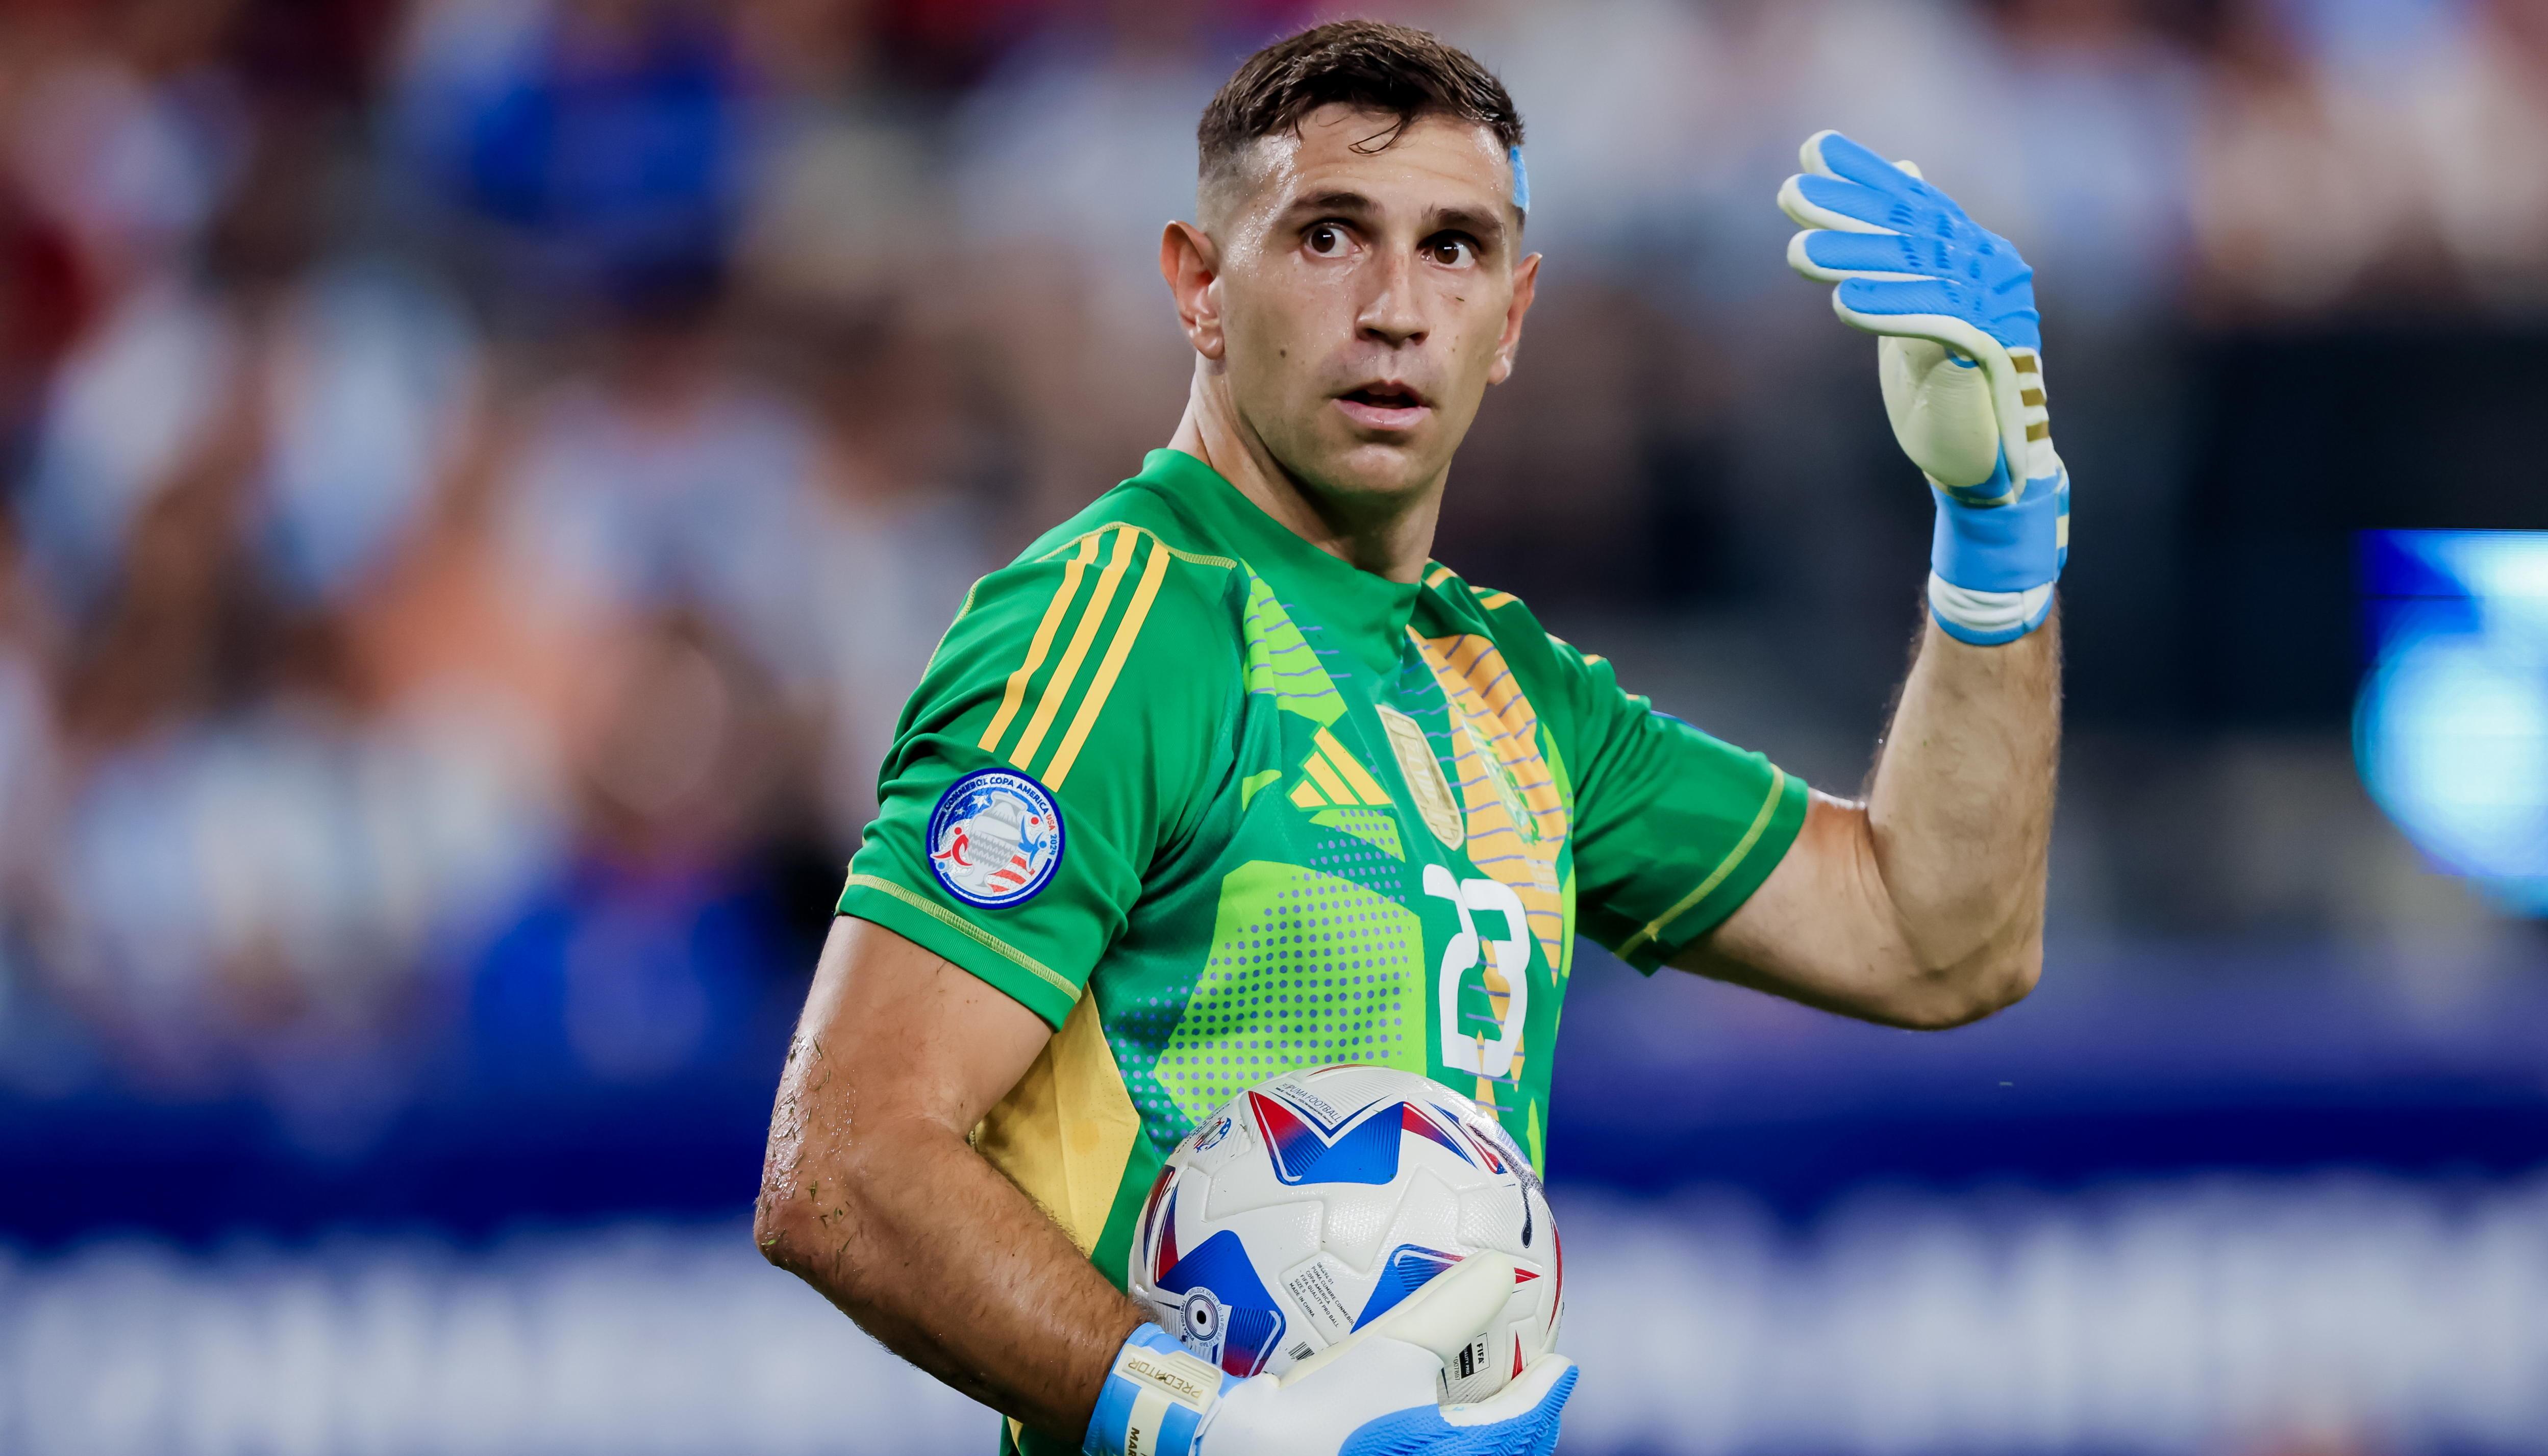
column 872, row 1194
column 1924, row 905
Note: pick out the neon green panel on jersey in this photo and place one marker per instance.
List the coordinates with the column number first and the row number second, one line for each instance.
column 1306, row 968
column 1215, row 805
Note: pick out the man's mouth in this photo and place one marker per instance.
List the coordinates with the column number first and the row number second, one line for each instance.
column 1386, row 406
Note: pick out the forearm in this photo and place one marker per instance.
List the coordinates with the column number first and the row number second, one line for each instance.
column 872, row 1194
column 1922, row 906
column 1960, row 809
column 942, row 1259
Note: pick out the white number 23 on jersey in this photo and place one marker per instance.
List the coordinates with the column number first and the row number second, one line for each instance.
column 1463, row 1050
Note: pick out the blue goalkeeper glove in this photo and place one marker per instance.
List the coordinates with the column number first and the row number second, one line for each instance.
column 1374, row 1393
column 1961, row 362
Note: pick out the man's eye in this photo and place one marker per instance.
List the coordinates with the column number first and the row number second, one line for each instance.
column 1326, row 239
column 1453, row 252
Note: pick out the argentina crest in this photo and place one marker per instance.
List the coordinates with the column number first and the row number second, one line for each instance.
column 995, row 838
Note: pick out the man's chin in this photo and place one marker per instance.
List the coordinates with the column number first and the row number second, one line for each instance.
column 1371, row 469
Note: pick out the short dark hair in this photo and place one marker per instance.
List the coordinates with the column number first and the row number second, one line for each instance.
column 1368, row 64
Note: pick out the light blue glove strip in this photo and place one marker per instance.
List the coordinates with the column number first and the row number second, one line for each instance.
column 1423, row 1432
column 1110, row 1425
column 1874, row 254
column 1177, row 1431
column 1999, row 548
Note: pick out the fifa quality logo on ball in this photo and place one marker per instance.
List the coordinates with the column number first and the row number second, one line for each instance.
column 995, row 838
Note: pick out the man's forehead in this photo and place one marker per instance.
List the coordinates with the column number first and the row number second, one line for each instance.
column 1443, row 158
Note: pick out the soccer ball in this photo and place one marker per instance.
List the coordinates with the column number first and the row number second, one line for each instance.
column 1317, row 1202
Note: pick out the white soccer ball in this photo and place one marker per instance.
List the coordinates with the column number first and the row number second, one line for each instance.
column 1317, row 1202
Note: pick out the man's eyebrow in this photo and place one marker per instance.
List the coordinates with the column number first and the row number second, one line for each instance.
column 1334, row 200
column 1486, row 227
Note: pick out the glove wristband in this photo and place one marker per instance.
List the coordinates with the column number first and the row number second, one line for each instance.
column 1991, row 568
column 1156, row 1398
column 1987, row 618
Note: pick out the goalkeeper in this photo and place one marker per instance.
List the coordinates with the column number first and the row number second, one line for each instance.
column 1224, row 776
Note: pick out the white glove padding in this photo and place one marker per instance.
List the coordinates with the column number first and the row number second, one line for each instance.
column 1373, row 1394
column 1940, row 411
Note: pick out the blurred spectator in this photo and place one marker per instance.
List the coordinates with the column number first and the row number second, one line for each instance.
column 43, row 305
column 2302, row 190
column 893, row 541
column 847, row 210
column 1067, row 164
column 1633, row 109
column 2103, row 156
column 373, row 370
column 1892, row 74
column 603, row 141
column 2480, row 113
column 126, row 129
column 126, row 405
column 29, row 763
column 663, row 477
column 646, row 955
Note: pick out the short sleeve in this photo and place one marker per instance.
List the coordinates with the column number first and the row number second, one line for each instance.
column 1059, row 739
column 1673, row 829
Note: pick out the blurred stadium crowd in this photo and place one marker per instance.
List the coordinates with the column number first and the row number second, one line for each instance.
column 478, row 478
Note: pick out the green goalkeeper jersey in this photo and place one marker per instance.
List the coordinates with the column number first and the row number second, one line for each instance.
column 1217, row 805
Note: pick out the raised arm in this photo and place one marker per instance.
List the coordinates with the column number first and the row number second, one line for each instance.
column 871, row 1195
column 1924, row 905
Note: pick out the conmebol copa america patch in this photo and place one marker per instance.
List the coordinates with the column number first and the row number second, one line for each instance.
column 995, row 838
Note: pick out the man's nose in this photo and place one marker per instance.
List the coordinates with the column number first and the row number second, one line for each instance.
column 1392, row 315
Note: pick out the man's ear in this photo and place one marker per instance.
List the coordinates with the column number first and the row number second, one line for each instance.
column 1190, row 261
column 1525, row 284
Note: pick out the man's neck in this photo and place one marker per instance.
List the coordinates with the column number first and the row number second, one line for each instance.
column 1395, row 543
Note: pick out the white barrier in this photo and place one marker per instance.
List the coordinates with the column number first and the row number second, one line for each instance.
column 2180, row 1318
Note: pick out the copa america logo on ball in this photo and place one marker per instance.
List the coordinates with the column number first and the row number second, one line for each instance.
column 995, row 838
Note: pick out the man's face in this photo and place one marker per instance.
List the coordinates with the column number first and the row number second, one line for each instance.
column 1367, row 297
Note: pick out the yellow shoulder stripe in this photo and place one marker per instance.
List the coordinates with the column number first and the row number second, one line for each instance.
column 1042, row 643
column 1049, row 704
column 1120, row 544
column 1112, row 666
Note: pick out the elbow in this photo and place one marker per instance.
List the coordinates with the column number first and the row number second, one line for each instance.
column 1977, row 986
column 2004, row 979
column 809, row 1231
column 825, row 1241
column 780, row 1226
